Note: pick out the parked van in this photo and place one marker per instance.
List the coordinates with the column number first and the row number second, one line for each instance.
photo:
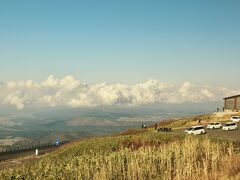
column 235, row 119
column 196, row 130
column 215, row 125
column 230, row 126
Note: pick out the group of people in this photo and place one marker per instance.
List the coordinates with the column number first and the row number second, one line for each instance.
column 144, row 126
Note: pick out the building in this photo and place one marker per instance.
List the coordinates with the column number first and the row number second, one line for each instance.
column 232, row 103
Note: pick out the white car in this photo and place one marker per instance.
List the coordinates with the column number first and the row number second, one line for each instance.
column 229, row 126
column 215, row 125
column 196, row 130
column 235, row 119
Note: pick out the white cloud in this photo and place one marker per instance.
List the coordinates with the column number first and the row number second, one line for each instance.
column 15, row 100
column 70, row 92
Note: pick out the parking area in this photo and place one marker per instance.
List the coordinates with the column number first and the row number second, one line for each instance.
column 218, row 133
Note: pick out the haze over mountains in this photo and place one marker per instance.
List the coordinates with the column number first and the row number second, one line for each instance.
column 40, row 112
column 67, row 109
column 43, row 125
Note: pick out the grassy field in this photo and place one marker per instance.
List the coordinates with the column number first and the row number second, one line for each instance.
column 149, row 155
column 137, row 154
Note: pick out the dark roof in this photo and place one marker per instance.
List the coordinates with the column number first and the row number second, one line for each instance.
column 232, row 96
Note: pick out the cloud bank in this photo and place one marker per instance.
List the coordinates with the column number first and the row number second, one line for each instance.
column 71, row 92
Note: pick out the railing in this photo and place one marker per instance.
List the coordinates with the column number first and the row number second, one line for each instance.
column 25, row 148
column 9, row 152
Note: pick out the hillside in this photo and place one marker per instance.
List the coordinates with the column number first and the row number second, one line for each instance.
column 139, row 154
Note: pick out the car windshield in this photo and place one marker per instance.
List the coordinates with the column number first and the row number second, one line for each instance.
column 189, row 129
column 211, row 123
column 235, row 117
column 227, row 124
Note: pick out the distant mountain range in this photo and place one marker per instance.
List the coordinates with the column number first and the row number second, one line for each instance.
column 44, row 125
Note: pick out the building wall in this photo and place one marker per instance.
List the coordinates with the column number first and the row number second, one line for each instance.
column 238, row 103
column 229, row 103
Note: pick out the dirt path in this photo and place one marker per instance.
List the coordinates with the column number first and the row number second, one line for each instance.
column 13, row 163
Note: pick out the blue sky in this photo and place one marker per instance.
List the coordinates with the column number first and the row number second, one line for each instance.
column 121, row 41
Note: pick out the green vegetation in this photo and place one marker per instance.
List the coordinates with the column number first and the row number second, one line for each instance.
column 140, row 155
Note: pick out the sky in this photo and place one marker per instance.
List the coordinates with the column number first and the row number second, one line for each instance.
column 126, row 42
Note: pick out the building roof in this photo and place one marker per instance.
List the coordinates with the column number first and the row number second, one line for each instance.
column 232, row 96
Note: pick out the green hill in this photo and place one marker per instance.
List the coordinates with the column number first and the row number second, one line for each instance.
column 136, row 154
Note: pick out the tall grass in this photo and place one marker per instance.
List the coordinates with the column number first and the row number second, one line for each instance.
column 109, row 158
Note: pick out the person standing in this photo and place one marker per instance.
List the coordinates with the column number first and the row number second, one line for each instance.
column 145, row 127
column 36, row 152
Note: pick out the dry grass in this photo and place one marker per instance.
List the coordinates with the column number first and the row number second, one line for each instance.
column 233, row 166
column 130, row 132
column 108, row 158
column 165, row 123
column 138, row 154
